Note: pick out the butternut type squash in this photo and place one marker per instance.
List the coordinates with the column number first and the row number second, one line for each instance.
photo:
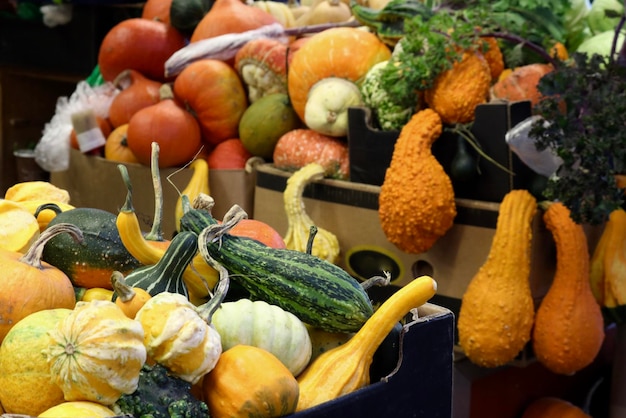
column 416, row 202
column 497, row 309
column 569, row 328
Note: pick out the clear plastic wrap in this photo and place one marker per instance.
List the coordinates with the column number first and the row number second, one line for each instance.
column 53, row 150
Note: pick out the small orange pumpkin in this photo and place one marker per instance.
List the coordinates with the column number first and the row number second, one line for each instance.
column 215, row 93
column 137, row 92
column 228, row 155
column 157, row 10
column 250, row 381
column 171, row 126
column 520, row 83
column 116, row 147
column 230, row 16
column 260, row 231
column 29, row 284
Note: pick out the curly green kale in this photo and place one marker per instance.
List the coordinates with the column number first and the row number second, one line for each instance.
column 161, row 395
column 584, row 105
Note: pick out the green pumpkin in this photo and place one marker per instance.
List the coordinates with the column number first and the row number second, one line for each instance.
column 265, row 121
column 186, row 14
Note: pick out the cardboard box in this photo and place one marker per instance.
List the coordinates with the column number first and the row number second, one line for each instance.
column 96, row 182
column 350, row 211
column 371, row 150
column 421, row 384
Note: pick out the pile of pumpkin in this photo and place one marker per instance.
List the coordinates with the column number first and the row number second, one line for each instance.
column 89, row 300
column 281, row 98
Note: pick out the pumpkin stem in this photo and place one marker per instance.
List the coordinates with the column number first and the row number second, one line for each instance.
column 207, row 309
column 33, row 256
column 202, row 202
column 156, row 233
column 124, row 291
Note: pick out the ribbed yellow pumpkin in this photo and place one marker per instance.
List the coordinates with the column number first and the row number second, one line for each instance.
column 177, row 337
column 96, row 353
column 25, row 385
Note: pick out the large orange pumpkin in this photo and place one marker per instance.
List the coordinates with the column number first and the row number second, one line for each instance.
column 215, row 93
column 139, row 44
column 171, row 126
column 346, row 53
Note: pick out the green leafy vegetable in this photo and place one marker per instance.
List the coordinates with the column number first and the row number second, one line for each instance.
column 161, row 395
column 584, row 105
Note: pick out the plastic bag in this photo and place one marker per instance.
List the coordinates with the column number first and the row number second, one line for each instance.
column 52, row 152
column 544, row 162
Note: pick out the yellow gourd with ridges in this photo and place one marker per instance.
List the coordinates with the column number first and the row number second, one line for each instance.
column 325, row 243
column 96, row 353
column 25, row 384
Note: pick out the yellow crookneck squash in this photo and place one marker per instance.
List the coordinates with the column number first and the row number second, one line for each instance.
column 199, row 277
column 198, row 184
column 344, row 369
column 416, row 202
column 299, row 223
column 569, row 328
column 497, row 308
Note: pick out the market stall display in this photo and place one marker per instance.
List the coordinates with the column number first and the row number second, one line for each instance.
column 334, row 168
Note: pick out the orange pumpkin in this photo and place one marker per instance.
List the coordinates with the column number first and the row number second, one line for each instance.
column 216, row 95
column 299, row 147
column 551, row 407
column 260, row 231
column 29, row 284
column 139, row 44
column 116, row 147
column 520, row 83
column 228, row 155
column 137, row 92
column 346, row 53
column 171, row 126
column 157, row 10
column 230, row 16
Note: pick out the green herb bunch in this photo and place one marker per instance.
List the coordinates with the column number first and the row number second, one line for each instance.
column 585, row 111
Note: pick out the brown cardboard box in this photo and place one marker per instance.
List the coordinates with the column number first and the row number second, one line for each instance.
column 420, row 386
column 350, row 211
column 97, row 182
column 371, row 150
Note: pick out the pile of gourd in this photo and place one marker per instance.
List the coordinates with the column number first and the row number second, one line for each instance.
column 88, row 299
